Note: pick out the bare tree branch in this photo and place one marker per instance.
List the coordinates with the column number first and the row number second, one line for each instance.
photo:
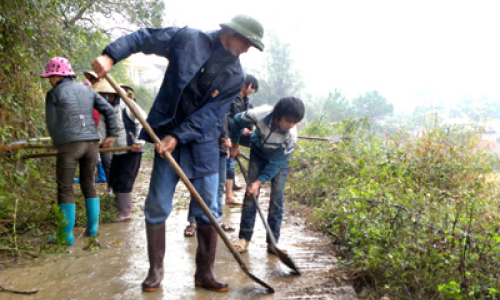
column 79, row 15
column 90, row 21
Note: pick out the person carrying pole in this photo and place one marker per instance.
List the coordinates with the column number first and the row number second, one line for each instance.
column 69, row 116
column 124, row 165
column 203, row 76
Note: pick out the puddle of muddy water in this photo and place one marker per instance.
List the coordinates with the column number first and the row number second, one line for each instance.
column 117, row 270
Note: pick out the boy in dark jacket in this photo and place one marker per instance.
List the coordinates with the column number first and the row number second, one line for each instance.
column 271, row 145
column 240, row 104
column 69, row 116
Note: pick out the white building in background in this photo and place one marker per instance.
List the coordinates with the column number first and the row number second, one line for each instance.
column 147, row 70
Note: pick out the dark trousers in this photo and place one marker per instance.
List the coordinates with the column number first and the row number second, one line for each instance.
column 124, row 170
column 69, row 156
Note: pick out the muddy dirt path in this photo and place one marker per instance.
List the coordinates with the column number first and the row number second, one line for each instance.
column 117, row 269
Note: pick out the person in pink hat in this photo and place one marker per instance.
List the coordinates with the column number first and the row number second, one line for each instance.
column 69, row 117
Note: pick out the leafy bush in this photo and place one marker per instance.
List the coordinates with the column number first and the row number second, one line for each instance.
column 32, row 32
column 415, row 218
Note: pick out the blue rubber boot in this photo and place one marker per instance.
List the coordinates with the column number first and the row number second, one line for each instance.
column 101, row 173
column 92, row 206
column 69, row 216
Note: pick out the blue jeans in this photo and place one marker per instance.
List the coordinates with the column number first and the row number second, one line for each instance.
column 276, row 204
column 230, row 165
column 222, row 182
column 220, row 191
column 161, row 192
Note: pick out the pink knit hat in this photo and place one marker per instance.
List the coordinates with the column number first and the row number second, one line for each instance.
column 58, row 66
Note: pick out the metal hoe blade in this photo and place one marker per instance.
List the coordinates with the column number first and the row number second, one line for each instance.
column 262, row 283
column 20, row 163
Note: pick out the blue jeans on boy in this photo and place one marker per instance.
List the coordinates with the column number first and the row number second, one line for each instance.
column 161, row 192
column 230, row 166
column 276, row 203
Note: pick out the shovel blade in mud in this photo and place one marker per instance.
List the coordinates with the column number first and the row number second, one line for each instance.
column 282, row 255
column 269, row 288
column 287, row 261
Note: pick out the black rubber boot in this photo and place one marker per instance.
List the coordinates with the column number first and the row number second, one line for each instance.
column 156, row 251
column 205, row 258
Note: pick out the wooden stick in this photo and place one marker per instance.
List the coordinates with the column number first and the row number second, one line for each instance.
column 5, row 148
column 54, row 153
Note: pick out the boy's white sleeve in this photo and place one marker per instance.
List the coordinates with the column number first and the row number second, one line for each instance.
column 255, row 114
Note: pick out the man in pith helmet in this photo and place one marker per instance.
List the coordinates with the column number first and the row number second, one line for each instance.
column 203, row 76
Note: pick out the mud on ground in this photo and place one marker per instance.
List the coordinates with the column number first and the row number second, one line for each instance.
column 117, row 269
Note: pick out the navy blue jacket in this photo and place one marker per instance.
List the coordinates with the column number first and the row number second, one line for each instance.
column 187, row 50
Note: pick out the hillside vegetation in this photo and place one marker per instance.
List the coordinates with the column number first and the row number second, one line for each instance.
column 414, row 216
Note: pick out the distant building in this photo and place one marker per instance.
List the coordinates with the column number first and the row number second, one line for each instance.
column 147, row 70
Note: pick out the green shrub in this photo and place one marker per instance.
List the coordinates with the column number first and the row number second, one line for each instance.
column 411, row 217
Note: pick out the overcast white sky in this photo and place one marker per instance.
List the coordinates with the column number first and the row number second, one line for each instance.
column 410, row 51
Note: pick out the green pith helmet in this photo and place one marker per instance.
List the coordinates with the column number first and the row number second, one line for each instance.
column 249, row 28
